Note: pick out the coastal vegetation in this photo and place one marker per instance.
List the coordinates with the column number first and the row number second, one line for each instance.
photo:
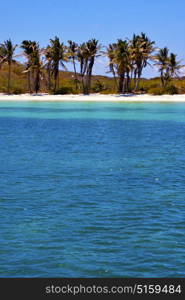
column 46, row 69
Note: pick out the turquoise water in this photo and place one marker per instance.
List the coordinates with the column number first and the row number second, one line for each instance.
column 92, row 189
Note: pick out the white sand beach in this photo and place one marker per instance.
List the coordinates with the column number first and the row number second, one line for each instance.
column 94, row 97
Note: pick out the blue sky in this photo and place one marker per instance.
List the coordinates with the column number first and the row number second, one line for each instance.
column 162, row 20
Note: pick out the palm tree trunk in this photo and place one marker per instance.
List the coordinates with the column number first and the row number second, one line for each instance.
column 128, row 84
column 85, row 83
column 74, row 65
column 139, row 73
column 124, row 85
column 137, row 83
column 89, row 82
column 138, row 80
column 135, row 78
column 83, row 71
column 131, row 80
column 37, row 81
column 162, row 79
column 121, row 83
column 55, row 84
column 115, row 80
column 58, row 80
column 89, row 75
column 49, row 81
column 32, row 76
column 29, row 82
column 9, row 76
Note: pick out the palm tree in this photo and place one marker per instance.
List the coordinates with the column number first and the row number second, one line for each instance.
column 141, row 48
column 48, row 57
column 122, row 61
column 162, row 61
column 83, row 60
column 34, row 65
column 58, row 57
column 72, row 54
column 111, row 56
column 93, row 48
column 168, row 65
column 7, row 50
column 87, row 52
column 37, row 67
column 28, row 47
column 174, row 65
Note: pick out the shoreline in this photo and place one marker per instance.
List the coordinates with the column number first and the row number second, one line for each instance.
column 94, row 98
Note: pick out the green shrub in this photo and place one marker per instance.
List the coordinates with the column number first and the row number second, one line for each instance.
column 156, row 91
column 17, row 90
column 171, row 90
column 146, row 86
column 98, row 87
column 181, row 90
column 3, row 89
column 109, row 91
column 64, row 90
column 143, row 89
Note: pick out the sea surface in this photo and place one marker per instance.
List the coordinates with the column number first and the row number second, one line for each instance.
column 92, row 189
